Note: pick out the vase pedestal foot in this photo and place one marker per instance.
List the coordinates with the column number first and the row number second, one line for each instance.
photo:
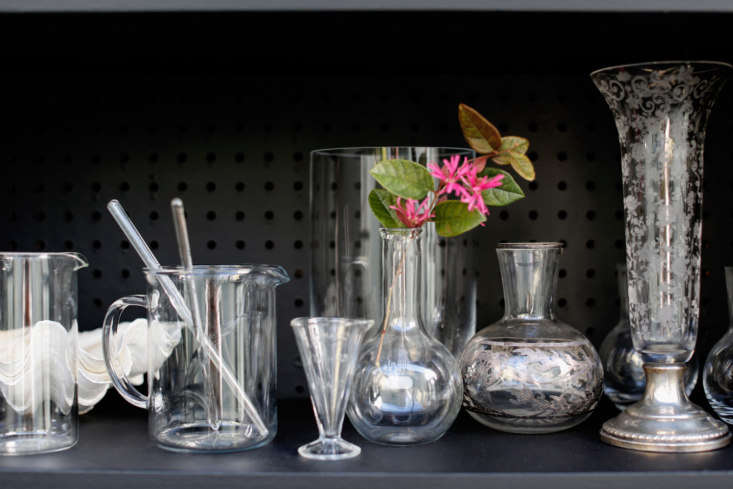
column 665, row 420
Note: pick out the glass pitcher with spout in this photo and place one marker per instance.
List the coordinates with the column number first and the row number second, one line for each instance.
column 211, row 356
column 38, row 352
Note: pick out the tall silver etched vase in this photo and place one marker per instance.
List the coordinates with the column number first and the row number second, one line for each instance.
column 661, row 112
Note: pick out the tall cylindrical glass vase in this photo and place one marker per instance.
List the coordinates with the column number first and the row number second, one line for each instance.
column 345, row 271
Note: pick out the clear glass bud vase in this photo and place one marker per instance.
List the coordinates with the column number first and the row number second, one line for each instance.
column 718, row 374
column 529, row 372
column 407, row 389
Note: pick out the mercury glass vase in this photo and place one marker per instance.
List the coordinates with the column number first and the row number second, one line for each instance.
column 624, row 379
column 718, row 373
column 661, row 112
column 529, row 372
column 407, row 389
column 345, row 265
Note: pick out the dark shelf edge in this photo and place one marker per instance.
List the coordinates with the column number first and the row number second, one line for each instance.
column 333, row 480
column 122, row 6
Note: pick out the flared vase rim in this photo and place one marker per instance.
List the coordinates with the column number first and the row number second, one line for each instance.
column 300, row 322
column 519, row 245
column 352, row 151
column 670, row 63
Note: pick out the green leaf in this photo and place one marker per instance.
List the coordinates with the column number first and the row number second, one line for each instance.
column 379, row 201
column 514, row 143
column 508, row 192
column 521, row 164
column 501, row 159
column 479, row 133
column 403, row 178
column 453, row 218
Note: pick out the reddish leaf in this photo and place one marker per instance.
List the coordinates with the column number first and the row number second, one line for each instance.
column 480, row 163
column 479, row 133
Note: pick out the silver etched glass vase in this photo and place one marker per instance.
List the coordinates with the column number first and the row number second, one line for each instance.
column 717, row 378
column 623, row 368
column 530, row 372
column 407, row 389
column 661, row 112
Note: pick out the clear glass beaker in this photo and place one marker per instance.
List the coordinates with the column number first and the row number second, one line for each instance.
column 214, row 389
column 38, row 352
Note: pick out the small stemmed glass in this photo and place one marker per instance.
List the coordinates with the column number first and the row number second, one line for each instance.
column 329, row 348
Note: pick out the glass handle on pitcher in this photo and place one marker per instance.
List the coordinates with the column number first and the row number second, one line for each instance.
column 111, row 322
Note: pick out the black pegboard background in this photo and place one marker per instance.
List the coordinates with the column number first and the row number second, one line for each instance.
column 234, row 143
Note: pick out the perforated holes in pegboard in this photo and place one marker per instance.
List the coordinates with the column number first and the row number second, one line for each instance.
column 236, row 150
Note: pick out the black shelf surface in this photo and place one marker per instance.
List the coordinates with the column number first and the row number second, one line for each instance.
column 114, row 452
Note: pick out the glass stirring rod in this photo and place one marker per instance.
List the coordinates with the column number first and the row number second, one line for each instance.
column 213, row 380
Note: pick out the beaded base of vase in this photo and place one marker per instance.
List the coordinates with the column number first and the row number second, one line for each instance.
column 407, row 389
column 529, row 372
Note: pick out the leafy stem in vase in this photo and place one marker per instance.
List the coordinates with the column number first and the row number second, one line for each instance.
column 455, row 195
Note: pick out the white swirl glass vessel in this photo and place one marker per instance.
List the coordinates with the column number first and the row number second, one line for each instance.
column 38, row 352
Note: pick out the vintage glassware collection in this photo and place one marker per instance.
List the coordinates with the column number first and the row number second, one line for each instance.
column 392, row 314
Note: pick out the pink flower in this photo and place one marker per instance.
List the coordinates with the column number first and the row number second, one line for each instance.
column 450, row 175
column 475, row 186
column 413, row 214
